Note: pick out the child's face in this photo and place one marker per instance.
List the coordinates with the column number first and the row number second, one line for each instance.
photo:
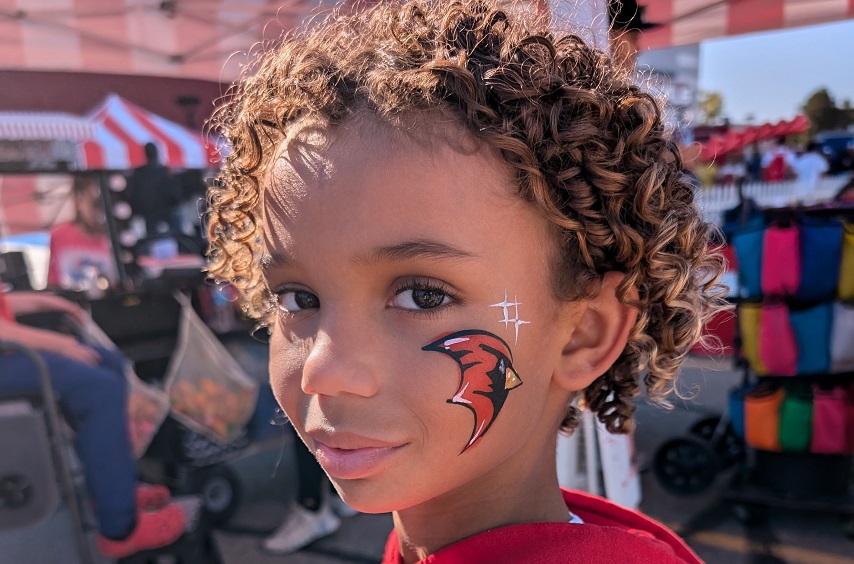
column 380, row 246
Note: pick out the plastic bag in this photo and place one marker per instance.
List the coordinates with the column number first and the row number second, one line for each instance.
column 148, row 405
column 209, row 392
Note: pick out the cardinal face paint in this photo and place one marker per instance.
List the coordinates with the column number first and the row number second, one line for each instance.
column 486, row 375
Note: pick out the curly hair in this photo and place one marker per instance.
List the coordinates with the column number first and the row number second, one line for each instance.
column 589, row 148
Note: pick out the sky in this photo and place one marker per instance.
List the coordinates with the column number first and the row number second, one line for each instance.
column 770, row 75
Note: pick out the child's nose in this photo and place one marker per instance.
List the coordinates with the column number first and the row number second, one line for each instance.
column 339, row 363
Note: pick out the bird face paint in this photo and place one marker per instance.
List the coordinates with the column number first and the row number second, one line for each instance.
column 486, row 375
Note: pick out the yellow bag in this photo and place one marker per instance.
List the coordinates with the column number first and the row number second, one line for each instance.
column 748, row 320
column 846, row 269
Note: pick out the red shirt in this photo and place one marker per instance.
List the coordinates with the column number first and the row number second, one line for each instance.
column 610, row 533
column 72, row 251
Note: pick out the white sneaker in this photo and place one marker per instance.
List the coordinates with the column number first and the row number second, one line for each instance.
column 340, row 508
column 301, row 528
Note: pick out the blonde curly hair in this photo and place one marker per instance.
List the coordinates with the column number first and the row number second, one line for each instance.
column 589, row 147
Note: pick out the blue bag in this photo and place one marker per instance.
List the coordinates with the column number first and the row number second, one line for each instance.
column 821, row 251
column 812, row 328
column 736, row 408
column 748, row 251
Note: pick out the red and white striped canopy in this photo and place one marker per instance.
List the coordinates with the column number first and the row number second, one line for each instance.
column 39, row 126
column 180, row 38
column 121, row 130
column 691, row 21
column 199, row 38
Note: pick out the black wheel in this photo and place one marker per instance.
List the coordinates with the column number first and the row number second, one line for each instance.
column 220, row 491
column 685, row 466
column 729, row 446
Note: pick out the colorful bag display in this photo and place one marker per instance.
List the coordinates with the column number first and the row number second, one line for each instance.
column 812, row 329
column 796, row 415
column 842, row 339
column 781, row 261
column 748, row 320
column 845, row 290
column 777, row 347
column 748, row 251
column 820, row 252
column 829, row 420
column 762, row 418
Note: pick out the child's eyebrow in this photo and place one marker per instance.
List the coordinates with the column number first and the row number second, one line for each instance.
column 412, row 250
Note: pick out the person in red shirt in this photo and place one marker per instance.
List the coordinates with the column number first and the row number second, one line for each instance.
column 92, row 392
column 457, row 222
column 80, row 251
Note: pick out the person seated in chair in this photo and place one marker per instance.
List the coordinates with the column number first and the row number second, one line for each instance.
column 91, row 387
column 80, row 251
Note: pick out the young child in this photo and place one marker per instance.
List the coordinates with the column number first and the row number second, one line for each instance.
column 457, row 222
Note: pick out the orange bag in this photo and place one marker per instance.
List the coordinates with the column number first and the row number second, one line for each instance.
column 762, row 418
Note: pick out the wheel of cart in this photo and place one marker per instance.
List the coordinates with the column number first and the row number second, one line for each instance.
column 220, row 490
column 686, row 466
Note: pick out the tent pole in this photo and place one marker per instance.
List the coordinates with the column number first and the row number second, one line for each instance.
column 115, row 244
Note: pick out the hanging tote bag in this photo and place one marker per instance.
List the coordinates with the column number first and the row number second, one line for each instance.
column 846, row 268
column 748, row 320
column 735, row 405
column 842, row 339
column 748, row 252
column 762, row 418
column 777, row 347
column 828, row 432
column 796, row 419
column 821, row 249
column 812, row 329
column 781, row 261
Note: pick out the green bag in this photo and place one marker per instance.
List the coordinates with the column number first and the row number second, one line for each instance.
column 796, row 420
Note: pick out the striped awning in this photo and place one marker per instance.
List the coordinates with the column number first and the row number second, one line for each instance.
column 121, row 130
column 180, row 38
column 44, row 126
column 691, row 21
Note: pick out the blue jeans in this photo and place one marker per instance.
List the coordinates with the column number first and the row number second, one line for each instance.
column 93, row 400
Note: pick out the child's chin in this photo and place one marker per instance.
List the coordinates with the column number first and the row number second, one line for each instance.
column 369, row 498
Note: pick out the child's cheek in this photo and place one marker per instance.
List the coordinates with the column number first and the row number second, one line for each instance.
column 486, row 376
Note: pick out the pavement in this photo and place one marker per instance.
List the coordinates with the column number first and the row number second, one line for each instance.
column 710, row 526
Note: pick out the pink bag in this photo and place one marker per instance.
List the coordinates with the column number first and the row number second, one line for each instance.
column 778, row 350
column 828, row 422
column 781, row 261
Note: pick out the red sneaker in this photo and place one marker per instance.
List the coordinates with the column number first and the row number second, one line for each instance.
column 151, row 496
column 154, row 529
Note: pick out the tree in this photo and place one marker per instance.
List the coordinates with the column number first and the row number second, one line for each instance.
column 711, row 106
column 822, row 112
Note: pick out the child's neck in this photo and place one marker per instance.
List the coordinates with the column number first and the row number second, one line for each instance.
column 426, row 528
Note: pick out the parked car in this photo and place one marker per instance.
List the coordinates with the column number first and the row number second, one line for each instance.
column 838, row 148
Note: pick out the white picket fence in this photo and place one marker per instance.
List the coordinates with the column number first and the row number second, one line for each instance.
column 715, row 200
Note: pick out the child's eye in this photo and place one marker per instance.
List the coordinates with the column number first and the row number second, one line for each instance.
column 292, row 301
column 421, row 296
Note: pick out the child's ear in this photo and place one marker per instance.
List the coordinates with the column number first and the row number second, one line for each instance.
column 597, row 337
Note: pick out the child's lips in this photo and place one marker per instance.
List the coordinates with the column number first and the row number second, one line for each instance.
column 354, row 463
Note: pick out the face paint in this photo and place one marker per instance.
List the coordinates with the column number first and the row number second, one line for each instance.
column 486, row 375
column 506, row 305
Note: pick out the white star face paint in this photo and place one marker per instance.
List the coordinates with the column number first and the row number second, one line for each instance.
column 506, row 305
